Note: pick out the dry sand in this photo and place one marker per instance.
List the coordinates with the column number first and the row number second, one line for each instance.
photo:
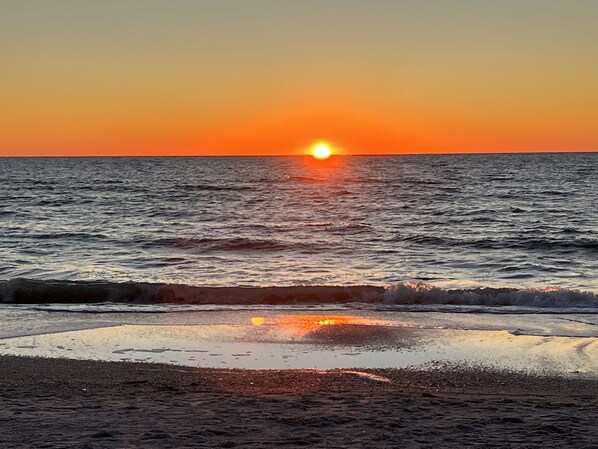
column 52, row 403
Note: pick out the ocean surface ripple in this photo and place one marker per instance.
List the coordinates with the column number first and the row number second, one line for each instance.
column 516, row 221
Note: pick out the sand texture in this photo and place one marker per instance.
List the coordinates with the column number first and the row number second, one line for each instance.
column 48, row 403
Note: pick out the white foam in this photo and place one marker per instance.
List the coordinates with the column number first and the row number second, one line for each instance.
column 411, row 292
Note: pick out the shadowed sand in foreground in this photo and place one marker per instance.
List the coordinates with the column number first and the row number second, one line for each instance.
column 65, row 403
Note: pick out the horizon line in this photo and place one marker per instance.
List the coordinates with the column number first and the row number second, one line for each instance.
column 40, row 156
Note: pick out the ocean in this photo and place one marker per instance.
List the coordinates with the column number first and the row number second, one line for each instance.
column 379, row 261
column 455, row 221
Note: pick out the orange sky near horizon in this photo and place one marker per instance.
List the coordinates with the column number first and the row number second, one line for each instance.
column 271, row 77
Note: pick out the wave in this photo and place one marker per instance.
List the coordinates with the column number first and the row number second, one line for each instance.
column 337, row 226
column 213, row 188
column 550, row 297
column 292, row 179
column 511, row 243
column 68, row 235
column 232, row 244
column 29, row 291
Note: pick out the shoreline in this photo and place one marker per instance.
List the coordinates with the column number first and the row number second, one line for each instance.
column 90, row 404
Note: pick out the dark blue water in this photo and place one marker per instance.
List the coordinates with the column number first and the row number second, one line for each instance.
column 521, row 221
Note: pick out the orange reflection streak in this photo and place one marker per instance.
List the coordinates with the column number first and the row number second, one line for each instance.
column 331, row 170
column 300, row 325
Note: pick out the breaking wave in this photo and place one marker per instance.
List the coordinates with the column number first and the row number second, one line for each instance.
column 550, row 297
column 28, row 291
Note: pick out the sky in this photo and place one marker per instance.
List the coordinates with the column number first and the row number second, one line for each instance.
column 199, row 77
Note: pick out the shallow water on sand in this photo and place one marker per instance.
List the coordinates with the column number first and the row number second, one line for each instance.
column 298, row 340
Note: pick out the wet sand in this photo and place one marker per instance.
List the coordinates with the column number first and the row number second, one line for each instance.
column 58, row 403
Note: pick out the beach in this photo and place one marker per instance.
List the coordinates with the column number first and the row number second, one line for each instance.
column 325, row 224
column 160, row 376
column 65, row 403
column 359, row 375
column 270, row 302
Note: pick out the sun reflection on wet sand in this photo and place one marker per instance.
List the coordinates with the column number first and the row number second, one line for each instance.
column 301, row 325
column 341, row 330
column 307, row 341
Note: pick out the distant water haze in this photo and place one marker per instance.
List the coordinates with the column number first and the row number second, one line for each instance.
column 513, row 220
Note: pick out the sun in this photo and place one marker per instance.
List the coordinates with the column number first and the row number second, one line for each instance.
column 321, row 150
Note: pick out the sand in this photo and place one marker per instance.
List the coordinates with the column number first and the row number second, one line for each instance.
column 59, row 403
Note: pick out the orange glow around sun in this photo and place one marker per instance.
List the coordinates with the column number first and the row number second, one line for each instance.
column 321, row 150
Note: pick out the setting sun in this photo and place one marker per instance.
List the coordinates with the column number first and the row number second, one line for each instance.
column 321, row 151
